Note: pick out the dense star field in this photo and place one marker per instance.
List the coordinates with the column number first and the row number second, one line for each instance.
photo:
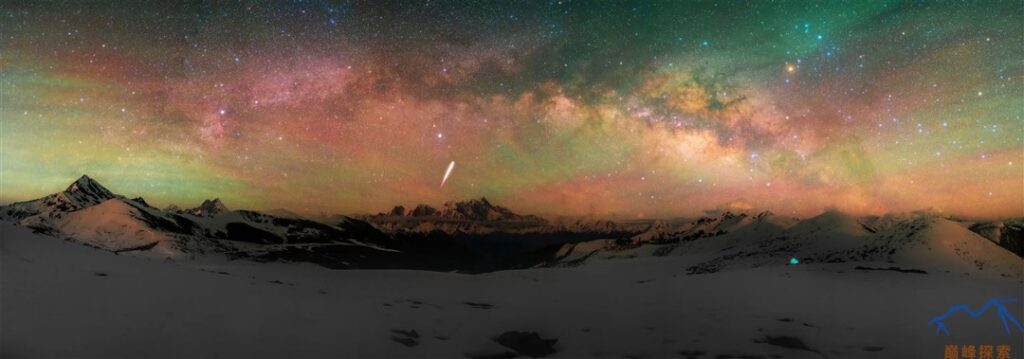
column 562, row 107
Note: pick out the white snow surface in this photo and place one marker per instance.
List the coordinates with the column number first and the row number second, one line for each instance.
column 114, row 225
column 62, row 299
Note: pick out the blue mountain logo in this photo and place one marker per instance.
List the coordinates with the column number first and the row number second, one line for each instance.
column 996, row 303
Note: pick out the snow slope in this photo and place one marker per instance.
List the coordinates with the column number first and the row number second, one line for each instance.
column 114, row 225
column 922, row 242
column 61, row 299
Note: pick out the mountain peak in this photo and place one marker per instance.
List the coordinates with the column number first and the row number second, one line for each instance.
column 764, row 214
column 87, row 189
column 481, row 210
column 216, row 203
column 480, row 203
column 209, row 208
column 423, row 210
column 397, row 211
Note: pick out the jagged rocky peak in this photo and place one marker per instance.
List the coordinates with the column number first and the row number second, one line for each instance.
column 423, row 210
column 730, row 215
column 397, row 211
column 475, row 209
column 88, row 187
column 482, row 210
column 715, row 216
column 141, row 201
column 482, row 202
column 479, row 209
column 1008, row 234
column 209, row 208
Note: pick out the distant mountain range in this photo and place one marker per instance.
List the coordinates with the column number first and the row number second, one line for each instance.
column 480, row 217
column 476, row 235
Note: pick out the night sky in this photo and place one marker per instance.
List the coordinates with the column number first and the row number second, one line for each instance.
column 573, row 108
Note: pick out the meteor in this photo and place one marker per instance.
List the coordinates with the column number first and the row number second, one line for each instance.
column 447, row 172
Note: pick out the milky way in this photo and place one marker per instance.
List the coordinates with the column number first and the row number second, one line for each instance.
column 572, row 108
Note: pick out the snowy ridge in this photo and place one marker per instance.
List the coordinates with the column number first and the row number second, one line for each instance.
column 91, row 214
column 81, row 193
column 477, row 235
column 741, row 241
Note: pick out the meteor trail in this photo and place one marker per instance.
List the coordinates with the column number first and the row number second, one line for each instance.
column 447, row 173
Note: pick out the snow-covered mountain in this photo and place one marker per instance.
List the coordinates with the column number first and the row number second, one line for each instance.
column 477, row 235
column 477, row 216
column 209, row 208
column 470, row 210
column 922, row 242
column 89, row 213
column 82, row 193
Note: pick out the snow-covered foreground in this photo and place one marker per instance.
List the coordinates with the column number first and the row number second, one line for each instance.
column 61, row 299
